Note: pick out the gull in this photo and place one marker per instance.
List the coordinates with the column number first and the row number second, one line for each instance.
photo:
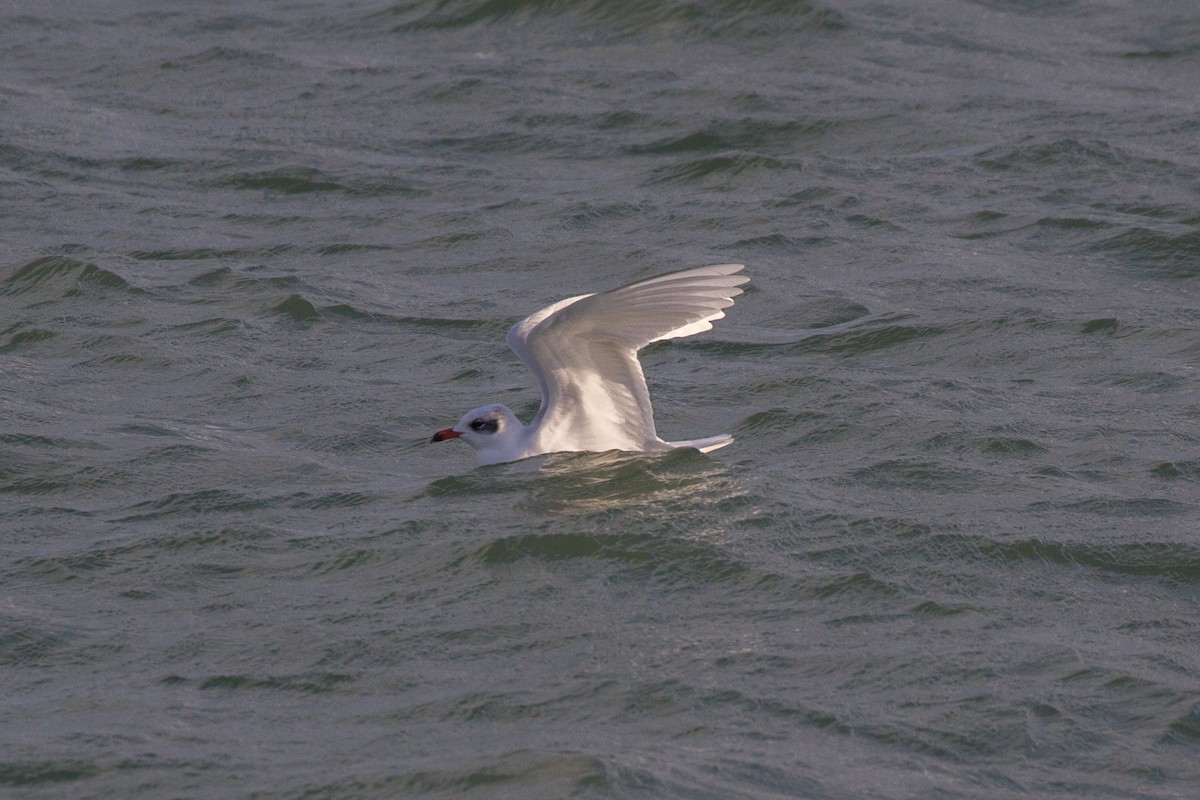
column 583, row 352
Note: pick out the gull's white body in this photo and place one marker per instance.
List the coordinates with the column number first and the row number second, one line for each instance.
column 583, row 352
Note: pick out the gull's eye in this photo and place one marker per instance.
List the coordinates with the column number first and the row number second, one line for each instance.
column 484, row 425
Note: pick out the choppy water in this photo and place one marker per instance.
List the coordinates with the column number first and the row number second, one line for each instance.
column 254, row 254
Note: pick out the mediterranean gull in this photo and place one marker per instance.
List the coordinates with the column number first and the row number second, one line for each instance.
column 583, row 352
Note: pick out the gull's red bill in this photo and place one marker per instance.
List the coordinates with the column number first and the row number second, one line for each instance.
column 444, row 434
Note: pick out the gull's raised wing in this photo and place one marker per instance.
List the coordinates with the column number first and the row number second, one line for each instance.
column 583, row 351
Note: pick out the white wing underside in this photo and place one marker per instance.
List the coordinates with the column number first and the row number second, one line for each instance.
column 583, row 352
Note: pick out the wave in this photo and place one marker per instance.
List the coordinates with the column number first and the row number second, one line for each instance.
column 744, row 134
column 717, row 170
column 1034, row 155
column 300, row 180
column 1161, row 253
column 62, row 276
column 626, row 17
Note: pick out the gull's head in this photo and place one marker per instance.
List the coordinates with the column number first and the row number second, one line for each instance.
column 494, row 432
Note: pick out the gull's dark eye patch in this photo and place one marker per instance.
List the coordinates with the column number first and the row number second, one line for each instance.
column 485, row 425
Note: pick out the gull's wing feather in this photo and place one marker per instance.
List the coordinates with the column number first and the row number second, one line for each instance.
column 518, row 341
column 583, row 351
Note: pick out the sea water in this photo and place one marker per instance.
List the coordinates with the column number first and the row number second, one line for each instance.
column 254, row 254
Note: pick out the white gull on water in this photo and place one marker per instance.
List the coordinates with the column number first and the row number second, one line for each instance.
column 583, row 351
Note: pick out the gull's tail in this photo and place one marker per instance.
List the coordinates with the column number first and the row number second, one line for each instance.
column 706, row 445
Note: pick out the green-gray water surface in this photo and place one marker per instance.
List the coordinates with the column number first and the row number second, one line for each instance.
column 252, row 255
